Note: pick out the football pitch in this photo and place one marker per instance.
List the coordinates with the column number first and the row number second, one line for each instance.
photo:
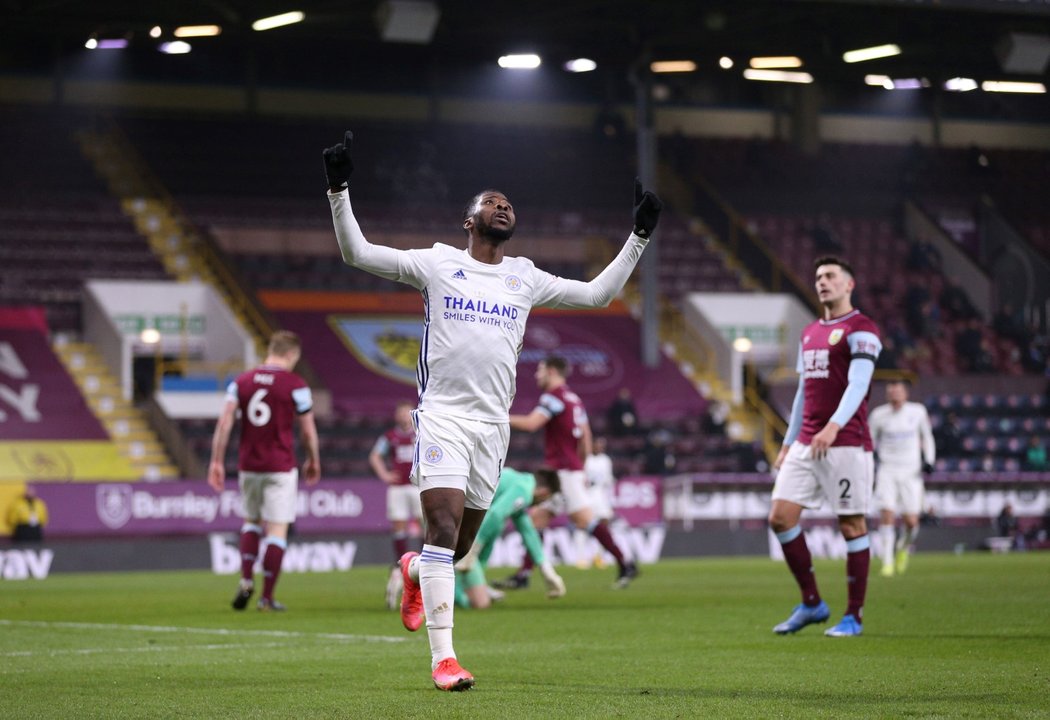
column 957, row 636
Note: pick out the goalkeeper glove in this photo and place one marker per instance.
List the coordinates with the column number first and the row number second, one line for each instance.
column 338, row 164
column 555, row 585
column 647, row 207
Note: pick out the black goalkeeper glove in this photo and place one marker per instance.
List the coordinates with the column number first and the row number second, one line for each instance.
column 647, row 207
column 927, row 468
column 337, row 163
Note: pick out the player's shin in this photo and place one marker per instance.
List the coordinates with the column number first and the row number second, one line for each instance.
column 249, row 546
column 437, row 581
column 800, row 562
column 886, row 539
column 858, row 560
column 272, row 559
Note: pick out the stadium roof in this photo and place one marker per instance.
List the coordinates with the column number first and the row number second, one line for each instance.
column 939, row 39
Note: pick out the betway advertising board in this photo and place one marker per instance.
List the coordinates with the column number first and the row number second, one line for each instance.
column 187, row 508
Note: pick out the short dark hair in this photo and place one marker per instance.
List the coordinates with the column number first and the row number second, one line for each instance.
column 557, row 362
column 468, row 209
column 832, row 260
column 548, row 478
column 906, row 382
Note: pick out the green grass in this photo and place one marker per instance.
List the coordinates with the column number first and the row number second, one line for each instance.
column 958, row 636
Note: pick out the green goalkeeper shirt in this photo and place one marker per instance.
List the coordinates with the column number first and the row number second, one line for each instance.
column 511, row 502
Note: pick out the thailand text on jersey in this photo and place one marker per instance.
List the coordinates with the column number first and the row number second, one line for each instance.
column 269, row 398
column 826, row 350
column 474, row 313
column 473, row 327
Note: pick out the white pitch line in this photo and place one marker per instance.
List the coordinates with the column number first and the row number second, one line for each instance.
column 203, row 631
column 152, row 648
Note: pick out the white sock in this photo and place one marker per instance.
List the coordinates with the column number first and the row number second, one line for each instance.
column 413, row 568
column 437, row 581
column 886, row 536
column 907, row 538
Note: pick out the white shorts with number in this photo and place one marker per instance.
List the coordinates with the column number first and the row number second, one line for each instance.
column 470, row 451
column 844, row 478
column 402, row 503
column 269, row 496
column 899, row 490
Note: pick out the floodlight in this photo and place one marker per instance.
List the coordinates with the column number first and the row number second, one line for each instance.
column 580, row 65
column 778, row 76
column 672, row 66
column 960, row 84
column 871, row 53
column 176, row 47
column 519, row 62
column 276, row 21
column 1013, row 87
column 197, row 31
column 784, row 61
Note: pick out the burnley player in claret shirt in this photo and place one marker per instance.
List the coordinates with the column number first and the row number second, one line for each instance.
column 827, row 452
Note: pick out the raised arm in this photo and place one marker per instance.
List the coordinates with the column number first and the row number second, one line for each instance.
column 356, row 250
column 601, row 291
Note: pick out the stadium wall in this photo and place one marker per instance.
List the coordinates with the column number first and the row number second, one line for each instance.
column 702, row 122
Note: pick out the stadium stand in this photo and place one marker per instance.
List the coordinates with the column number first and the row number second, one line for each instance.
column 58, row 229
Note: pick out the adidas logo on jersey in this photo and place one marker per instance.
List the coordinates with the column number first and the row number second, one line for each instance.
column 459, row 275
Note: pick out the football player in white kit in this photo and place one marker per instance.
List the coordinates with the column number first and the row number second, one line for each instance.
column 601, row 484
column 904, row 447
column 475, row 304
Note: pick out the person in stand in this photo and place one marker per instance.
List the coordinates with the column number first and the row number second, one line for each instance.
column 475, row 306
column 27, row 517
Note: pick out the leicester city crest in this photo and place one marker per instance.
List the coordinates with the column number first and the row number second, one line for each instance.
column 113, row 505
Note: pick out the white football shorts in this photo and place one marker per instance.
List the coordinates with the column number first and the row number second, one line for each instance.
column 573, row 497
column 402, row 503
column 899, row 490
column 469, row 451
column 844, row 478
column 269, row 496
column 601, row 503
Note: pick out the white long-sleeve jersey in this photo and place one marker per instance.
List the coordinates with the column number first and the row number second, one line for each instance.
column 474, row 313
column 903, row 438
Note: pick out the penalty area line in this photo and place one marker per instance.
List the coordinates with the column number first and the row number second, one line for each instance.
column 235, row 632
column 152, row 648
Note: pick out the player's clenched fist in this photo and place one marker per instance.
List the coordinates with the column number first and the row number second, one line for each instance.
column 338, row 164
